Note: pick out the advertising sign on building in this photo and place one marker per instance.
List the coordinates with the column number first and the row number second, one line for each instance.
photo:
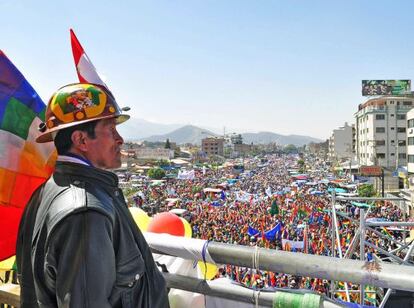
column 370, row 170
column 385, row 87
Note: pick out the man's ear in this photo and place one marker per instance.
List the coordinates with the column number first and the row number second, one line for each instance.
column 79, row 140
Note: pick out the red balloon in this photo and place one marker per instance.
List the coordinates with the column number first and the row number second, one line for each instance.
column 167, row 223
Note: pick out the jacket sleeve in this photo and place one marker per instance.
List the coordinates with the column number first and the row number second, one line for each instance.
column 80, row 261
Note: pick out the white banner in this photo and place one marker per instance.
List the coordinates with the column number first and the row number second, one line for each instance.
column 293, row 244
column 186, row 175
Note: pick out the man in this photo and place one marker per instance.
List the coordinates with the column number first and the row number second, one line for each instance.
column 78, row 245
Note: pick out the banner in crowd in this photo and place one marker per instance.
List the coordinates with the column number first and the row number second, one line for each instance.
column 292, row 244
column 269, row 235
column 186, row 175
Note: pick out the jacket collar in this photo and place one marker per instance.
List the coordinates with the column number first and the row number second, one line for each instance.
column 85, row 171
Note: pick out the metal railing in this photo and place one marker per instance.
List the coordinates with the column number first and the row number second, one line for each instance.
column 360, row 237
column 400, row 277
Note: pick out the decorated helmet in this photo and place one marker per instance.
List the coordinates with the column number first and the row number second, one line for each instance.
column 78, row 103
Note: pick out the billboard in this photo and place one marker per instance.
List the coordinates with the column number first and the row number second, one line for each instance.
column 385, row 87
column 370, row 171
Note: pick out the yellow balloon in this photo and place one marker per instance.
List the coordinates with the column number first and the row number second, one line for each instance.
column 188, row 232
column 140, row 217
column 7, row 264
column 208, row 270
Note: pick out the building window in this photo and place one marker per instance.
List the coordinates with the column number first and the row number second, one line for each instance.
column 410, row 123
column 400, row 116
column 380, row 142
column 392, row 128
column 392, row 115
column 401, row 129
column 380, row 130
column 380, row 116
column 406, row 103
column 392, row 154
column 410, row 140
column 380, row 155
column 402, row 143
column 402, row 155
column 411, row 158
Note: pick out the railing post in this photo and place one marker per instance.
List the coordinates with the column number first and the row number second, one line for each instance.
column 332, row 240
column 362, row 246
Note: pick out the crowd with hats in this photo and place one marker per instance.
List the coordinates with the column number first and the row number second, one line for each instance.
column 275, row 204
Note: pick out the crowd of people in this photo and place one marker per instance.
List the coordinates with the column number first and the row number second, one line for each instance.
column 275, row 203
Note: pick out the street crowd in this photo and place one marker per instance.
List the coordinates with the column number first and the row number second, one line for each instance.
column 275, row 203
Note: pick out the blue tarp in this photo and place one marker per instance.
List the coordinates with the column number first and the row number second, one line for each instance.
column 337, row 190
column 360, row 204
column 217, row 203
column 316, row 192
column 232, row 181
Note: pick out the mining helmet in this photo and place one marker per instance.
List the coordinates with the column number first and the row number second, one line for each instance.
column 78, row 103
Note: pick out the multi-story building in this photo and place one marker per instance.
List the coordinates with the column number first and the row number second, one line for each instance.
column 242, row 149
column 410, row 141
column 381, row 126
column 341, row 143
column 213, row 146
column 381, row 132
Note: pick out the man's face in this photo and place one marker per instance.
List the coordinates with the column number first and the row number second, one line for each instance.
column 105, row 150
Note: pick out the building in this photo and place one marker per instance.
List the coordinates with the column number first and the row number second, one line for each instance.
column 381, row 132
column 212, row 146
column 381, row 126
column 319, row 149
column 241, row 149
column 154, row 154
column 236, row 139
column 410, row 142
column 341, row 143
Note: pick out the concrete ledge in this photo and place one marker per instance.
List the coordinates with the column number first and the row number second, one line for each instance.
column 10, row 294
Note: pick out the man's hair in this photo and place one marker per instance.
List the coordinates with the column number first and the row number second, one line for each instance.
column 63, row 139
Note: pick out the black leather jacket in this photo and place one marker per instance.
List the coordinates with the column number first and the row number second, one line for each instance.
column 78, row 246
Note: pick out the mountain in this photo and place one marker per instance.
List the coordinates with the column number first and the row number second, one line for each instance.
column 185, row 134
column 194, row 134
column 268, row 137
column 136, row 129
column 139, row 129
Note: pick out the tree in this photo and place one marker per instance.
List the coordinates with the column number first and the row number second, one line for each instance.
column 163, row 163
column 156, row 173
column 167, row 144
column 366, row 190
column 290, row 149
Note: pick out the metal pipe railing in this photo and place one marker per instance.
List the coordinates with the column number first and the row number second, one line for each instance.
column 398, row 277
column 343, row 198
column 390, row 223
column 230, row 291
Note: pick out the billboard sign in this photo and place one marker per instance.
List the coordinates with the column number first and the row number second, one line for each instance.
column 370, row 170
column 385, row 87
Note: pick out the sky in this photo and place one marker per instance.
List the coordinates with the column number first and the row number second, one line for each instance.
column 289, row 67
